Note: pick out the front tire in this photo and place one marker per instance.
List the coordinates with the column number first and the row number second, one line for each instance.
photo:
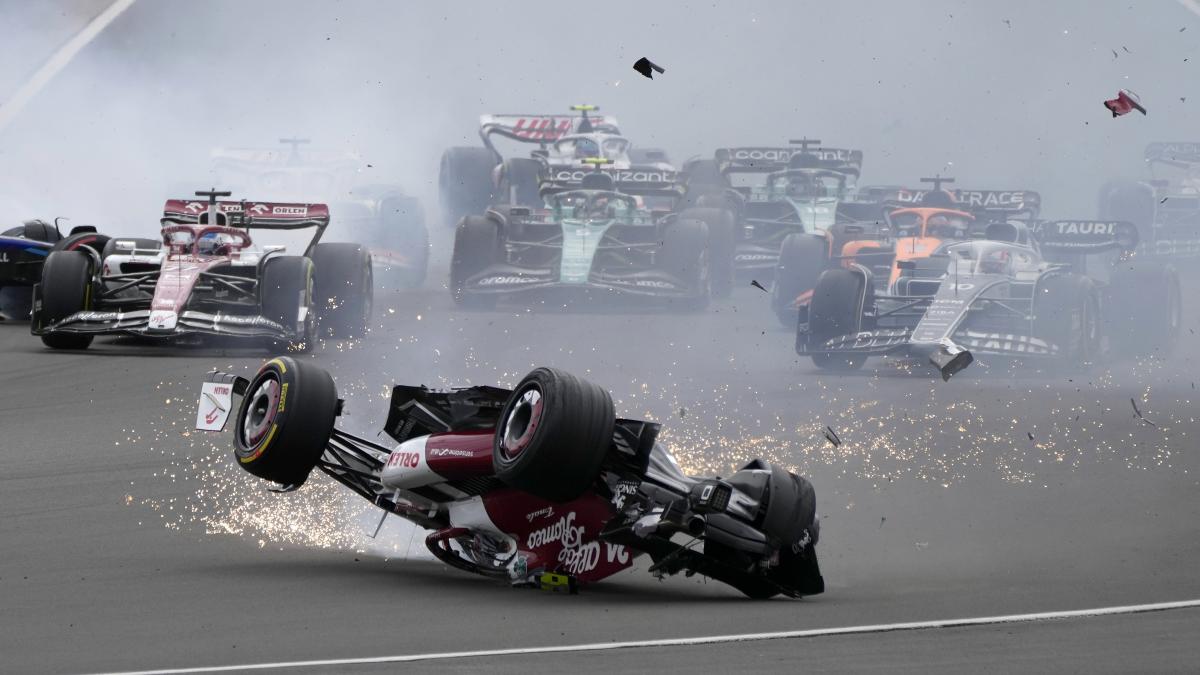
column 1067, row 314
column 686, row 256
column 802, row 257
column 285, row 420
column 465, row 182
column 343, row 289
column 286, row 297
column 835, row 310
column 66, row 288
column 1144, row 308
column 553, row 435
column 722, row 242
column 476, row 247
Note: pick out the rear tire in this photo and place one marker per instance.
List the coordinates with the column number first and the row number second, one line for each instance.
column 802, row 258
column 1067, row 314
column 343, row 289
column 465, row 182
column 402, row 229
column 66, row 288
column 1144, row 308
column 476, row 247
column 722, row 241
column 285, row 420
column 835, row 310
column 685, row 255
column 553, row 435
column 521, row 175
column 74, row 242
column 285, row 290
column 37, row 230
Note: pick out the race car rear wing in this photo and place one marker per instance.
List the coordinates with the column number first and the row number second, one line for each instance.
column 1085, row 237
column 1174, row 153
column 771, row 159
column 539, row 128
column 258, row 215
column 638, row 179
column 1010, row 203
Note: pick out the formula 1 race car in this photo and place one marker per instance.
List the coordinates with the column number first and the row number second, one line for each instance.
column 206, row 276
column 540, row 485
column 911, row 224
column 601, row 230
column 472, row 178
column 1165, row 208
column 390, row 222
column 23, row 251
column 1013, row 293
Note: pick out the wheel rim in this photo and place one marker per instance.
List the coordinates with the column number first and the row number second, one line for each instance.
column 522, row 422
column 260, row 414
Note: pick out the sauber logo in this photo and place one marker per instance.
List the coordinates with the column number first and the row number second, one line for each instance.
column 258, row 209
column 407, row 460
column 564, row 532
column 194, row 207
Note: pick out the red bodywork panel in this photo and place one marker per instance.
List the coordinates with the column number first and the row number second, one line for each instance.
column 460, row 454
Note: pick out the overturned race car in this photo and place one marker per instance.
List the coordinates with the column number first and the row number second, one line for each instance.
column 541, row 485
column 207, row 276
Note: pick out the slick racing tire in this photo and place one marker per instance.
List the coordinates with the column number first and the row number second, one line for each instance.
column 37, row 230
column 704, row 175
column 1144, row 309
column 685, row 255
column 519, row 182
column 553, row 435
column 343, row 289
column 66, row 288
column 802, row 258
column 285, row 420
column 1131, row 202
column 1067, row 314
column 74, row 242
column 476, row 247
column 110, row 247
column 722, row 241
column 286, row 297
column 402, row 228
column 836, row 309
column 465, row 182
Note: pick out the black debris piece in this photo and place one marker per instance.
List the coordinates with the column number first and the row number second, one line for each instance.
column 1126, row 49
column 644, row 66
column 754, row 283
column 1138, row 413
column 1162, row 200
column 1029, row 434
column 832, row 437
column 682, row 412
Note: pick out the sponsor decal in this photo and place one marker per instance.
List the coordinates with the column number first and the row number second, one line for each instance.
column 576, row 561
column 407, row 460
column 162, row 320
column 651, row 283
column 624, row 490
column 4, row 256
column 563, row 531
column 194, row 207
column 282, row 398
column 449, row 452
column 1086, row 227
column 619, row 176
column 215, row 403
column 98, row 316
column 547, row 512
column 990, row 198
column 506, row 280
column 289, row 210
column 785, row 154
column 752, row 257
column 802, row 543
column 244, row 320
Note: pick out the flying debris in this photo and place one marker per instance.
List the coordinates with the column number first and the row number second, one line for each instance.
column 754, row 283
column 644, row 66
column 832, row 437
column 1124, row 103
column 1138, row 413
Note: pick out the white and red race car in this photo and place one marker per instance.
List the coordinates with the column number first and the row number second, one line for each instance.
column 207, row 276
column 539, row 485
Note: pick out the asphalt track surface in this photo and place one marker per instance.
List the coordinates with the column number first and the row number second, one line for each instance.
column 131, row 543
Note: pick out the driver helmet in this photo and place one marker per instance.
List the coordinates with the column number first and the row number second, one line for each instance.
column 801, row 185
column 995, row 261
column 598, row 207
column 940, row 225
column 586, row 147
column 215, row 243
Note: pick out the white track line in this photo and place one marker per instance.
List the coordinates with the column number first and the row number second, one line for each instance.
column 10, row 108
column 683, row 642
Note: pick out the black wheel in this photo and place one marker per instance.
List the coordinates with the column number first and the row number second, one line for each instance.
column 285, row 420
column 476, row 247
column 66, row 288
column 836, row 309
column 722, row 240
column 465, row 182
column 1128, row 201
column 802, row 258
column 553, row 435
column 519, row 182
column 110, row 247
column 39, row 230
column 286, row 297
column 704, row 174
column 343, row 289
column 1144, row 311
column 1067, row 314
column 685, row 255
column 74, row 242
